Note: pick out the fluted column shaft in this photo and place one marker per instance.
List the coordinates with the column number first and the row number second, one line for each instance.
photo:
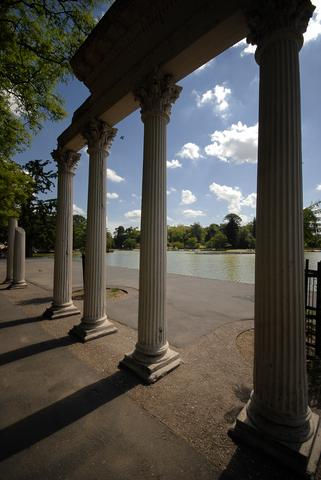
column 95, row 267
column 152, row 325
column 62, row 304
column 280, row 383
column 279, row 277
column 19, row 259
column 13, row 223
column 63, row 247
column 152, row 357
column 94, row 322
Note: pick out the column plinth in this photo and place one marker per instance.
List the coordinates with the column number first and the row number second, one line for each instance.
column 13, row 223
column 19, row 259
column 62, row 304
column 152, row 357
column 277, row 418
column 94, row 322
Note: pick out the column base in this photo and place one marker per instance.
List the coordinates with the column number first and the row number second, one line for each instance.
column 7, row 280
column 303, row 457
column 54, row 312
column 14, row 286
column 85, row 331
column 150, row 369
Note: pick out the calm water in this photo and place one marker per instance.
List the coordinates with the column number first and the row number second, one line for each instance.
column 233, row 267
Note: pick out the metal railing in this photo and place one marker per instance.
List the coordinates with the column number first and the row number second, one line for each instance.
column 313, row 310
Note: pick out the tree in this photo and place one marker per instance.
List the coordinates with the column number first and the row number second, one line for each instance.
column 35, row 213
column 79, row 232
column 109, row 241
column 130, row 243
column 310, row 226
column 211, row 231
column 197, row 232
column 219, row 240
column 119, row 236
column 15, row 188
column 232, row 227
column 37, row 41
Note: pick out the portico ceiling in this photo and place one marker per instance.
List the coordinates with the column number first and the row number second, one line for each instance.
column 133, row 38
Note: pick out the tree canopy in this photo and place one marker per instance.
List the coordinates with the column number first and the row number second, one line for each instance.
column 37, row 41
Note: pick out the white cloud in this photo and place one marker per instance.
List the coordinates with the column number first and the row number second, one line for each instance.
column 171, row 190
column 217, row 97
column 133, row 214
column 203, row 67
column 173, row 164
column 318, row 188
column 187, row 197
column 237, row 145
column 112, row 196
column 191, row 151
column 249, row 201
column 193, row 213
column 233, row 197
column 314, row 27
column 78, row 210
column 113, row 176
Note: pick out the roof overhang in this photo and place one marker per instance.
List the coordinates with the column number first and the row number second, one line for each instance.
column 136, row 36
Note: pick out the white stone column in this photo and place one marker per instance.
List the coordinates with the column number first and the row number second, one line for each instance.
column 19, row 259
column 95, row 323
column 62, row 305
column 152, row 357
column 277, row 417
column 13, row 223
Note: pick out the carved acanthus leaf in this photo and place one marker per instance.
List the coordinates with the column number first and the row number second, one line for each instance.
column 269, row 16
column 66, row 160
column 99, row 135
column 157, row 94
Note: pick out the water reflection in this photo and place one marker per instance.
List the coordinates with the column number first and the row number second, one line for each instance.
column 232, row 267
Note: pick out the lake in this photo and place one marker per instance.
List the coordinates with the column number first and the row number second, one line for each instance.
column 233, row 267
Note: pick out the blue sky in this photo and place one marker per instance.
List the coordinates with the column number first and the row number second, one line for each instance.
column 212, row 141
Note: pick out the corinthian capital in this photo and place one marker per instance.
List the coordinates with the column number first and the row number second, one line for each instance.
column 270, row 16
column 99, row 135
column 66, row 160
column 157, row 94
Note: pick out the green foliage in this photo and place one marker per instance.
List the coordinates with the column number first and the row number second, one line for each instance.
column 79, row 232
column 121, row 236
column 38, row 217
column 109, row 241
column 130, row 243
column 232, row 228
column 312, row 237
column 15, row 188
column 37, row 41
column 219, row 241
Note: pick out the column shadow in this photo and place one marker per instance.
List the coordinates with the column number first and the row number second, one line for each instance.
column 248, row 463
column 20, row 321
column 34, row 349
column 47, row 421
column 35, row 301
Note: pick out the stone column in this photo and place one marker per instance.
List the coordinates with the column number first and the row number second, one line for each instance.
column 277, row 417
column 19, row 259
column 62, row 305
column 13, row 223
column 152, row 357
column 95, row 323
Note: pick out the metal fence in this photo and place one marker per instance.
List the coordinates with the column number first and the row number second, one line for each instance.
column 313, row 310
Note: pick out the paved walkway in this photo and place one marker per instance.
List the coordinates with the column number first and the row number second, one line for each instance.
column 60, row 420
column 68, row 413
column 195, row 306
